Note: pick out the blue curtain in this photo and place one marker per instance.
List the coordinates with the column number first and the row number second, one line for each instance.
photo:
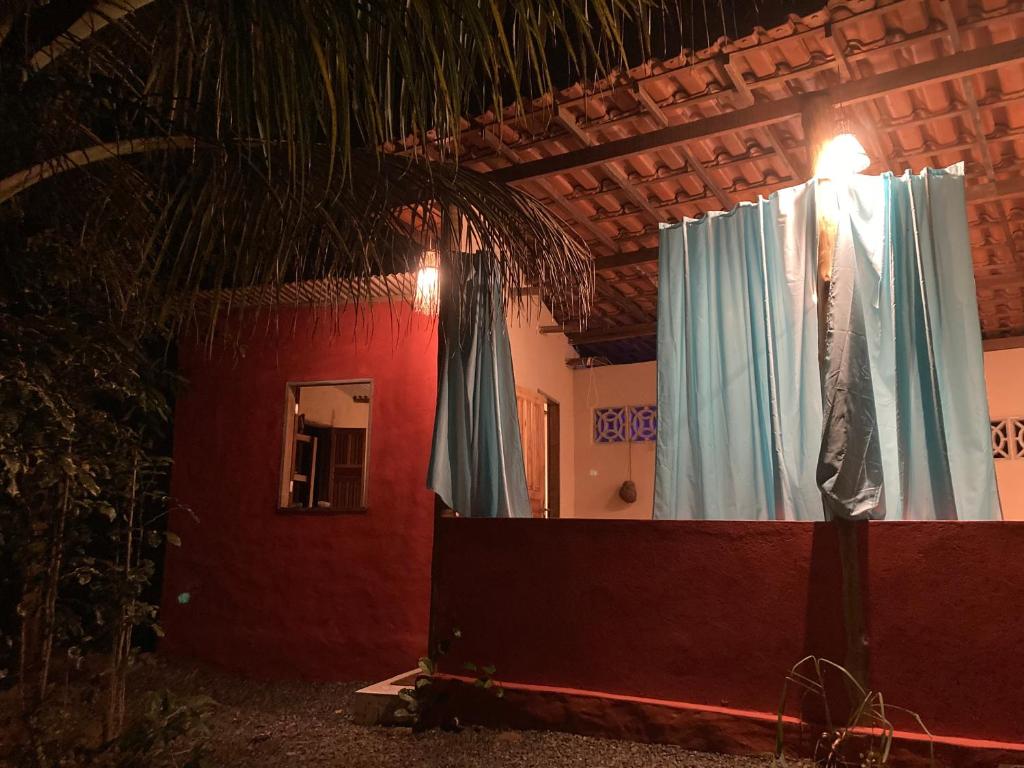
column 739, row 395
column 906, row 432
column 893, row 423
column 476, row 460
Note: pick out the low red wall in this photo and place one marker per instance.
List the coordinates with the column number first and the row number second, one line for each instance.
column 716, row 613
column 327, row 596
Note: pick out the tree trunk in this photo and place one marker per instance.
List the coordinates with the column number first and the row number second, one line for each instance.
column 38, row 610
column 31, row 664
column 122, row 639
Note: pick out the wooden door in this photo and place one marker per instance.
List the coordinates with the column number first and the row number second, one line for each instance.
column 348, row 460
column 554, row 450
column 534, row 439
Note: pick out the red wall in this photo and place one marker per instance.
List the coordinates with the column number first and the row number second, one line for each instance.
column 716, row 613
column 326, row 596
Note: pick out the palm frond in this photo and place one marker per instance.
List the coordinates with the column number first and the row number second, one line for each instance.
column 232, row 223
column 351, row 75
column 281, row 140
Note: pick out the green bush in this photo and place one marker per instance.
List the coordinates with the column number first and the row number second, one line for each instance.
column 84, row 417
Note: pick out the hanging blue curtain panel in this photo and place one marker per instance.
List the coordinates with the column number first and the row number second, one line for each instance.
column 476, row 460
column 739, row 395
column 904, row 374
column 892, row 424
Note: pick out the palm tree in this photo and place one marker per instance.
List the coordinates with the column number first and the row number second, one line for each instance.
column 167, row 149
column 198, row 145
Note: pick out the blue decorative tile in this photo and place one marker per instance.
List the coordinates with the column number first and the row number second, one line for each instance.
column 643, row 423
column 610, row 425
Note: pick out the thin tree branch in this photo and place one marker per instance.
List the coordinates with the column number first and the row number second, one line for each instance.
column 79, row 158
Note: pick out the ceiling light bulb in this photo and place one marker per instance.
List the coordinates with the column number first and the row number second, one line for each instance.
column 843, row 156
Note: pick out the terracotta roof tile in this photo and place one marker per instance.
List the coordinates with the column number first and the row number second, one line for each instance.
column 931, row 124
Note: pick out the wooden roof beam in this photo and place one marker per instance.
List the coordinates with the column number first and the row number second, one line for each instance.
column 504, row 150
column 900, row 160
column 628, row 259
column 603, row 290
column 1006, row 342
column 745, row 98
column 617, row 175
column 556, row 197
column 771, row 112
column 571, row 326
column 1000, row 282
column 625, row 305
column 659, row 116
column 971, row 99
column 996, row 190
column 617, row 333
column 979, row 193
column 641, row 330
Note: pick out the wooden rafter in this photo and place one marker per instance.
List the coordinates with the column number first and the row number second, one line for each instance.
column 695, row 100
column 772, row 112
column 640, row 330
column 682, row 122
column 682, row 151
column 880, row 122
column 627, row 259
column 617, row 333
column 979, row 193
column 1007, row 342
column 559, row 201
column 627, row 306
column 619, row 176
column 744, row 97
column 996, row 190
column 603, row 290
column 1000, row 283
column 974, row 113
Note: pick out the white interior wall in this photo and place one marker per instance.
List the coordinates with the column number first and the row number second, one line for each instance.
column 334, row 406
column 1004, row 379
column 539, row 363
column 601, row 468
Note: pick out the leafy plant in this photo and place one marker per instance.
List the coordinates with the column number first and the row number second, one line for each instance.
column 83, row 419
column 423, row 703
column 864, row 738
column 165, row 730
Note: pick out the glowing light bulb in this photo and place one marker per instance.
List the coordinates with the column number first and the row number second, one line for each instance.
column 428, row 279
column 843, row 156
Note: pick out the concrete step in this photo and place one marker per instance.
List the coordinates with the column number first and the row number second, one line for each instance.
column 376, row 704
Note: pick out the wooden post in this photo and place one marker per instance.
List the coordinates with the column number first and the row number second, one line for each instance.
column 819, row 122
column 448, row 242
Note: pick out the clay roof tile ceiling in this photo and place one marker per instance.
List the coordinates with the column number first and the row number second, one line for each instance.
column 873, row 57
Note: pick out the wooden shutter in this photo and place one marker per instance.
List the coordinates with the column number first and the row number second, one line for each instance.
column 531, row 431
column 348, row 459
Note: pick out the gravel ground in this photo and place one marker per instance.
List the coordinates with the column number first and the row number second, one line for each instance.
column 294, row 725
